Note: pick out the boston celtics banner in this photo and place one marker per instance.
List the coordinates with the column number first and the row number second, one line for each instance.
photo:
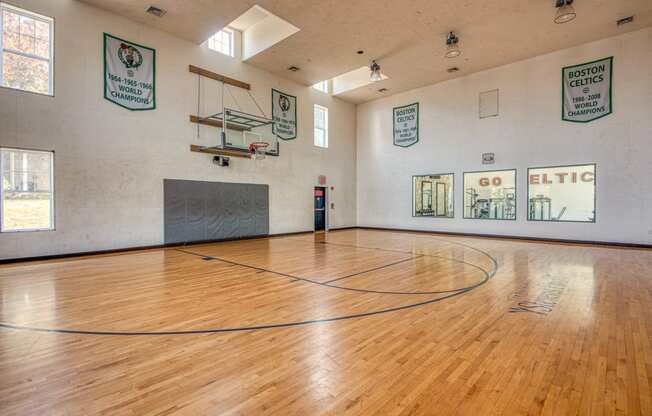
column 406, row 125
column 586, row 91
column 284, row 114
column 129, row 74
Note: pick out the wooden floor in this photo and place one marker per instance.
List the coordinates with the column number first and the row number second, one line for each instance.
column 355, row 322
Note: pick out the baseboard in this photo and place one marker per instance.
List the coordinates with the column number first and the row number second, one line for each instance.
column 138, row 248
column 408, row 230
column 516, row 237
column 342, row 228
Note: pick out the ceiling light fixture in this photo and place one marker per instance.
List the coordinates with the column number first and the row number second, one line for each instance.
column 376, row 75
column 156, row 11
column 625, row 20
column 565, row 11
column 452, row 47
column 293, row 68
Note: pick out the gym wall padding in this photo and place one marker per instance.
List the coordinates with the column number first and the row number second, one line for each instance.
column 201, row 211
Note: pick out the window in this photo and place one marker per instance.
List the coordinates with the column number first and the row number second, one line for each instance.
column 26, row 50
column 432, row 196
column 27, row 192
column 321, row 86
column 490, row 195
column 561, row 193
column 321, row 126
column 222, row 42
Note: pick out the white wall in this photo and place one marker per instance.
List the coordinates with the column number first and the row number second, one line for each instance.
column 527, row 133
column 110, row 163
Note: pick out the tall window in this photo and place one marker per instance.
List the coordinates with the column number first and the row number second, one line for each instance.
column 321, row 86
column 222, row 42
column 321, row 126
column 26, row 49
column 27, row 192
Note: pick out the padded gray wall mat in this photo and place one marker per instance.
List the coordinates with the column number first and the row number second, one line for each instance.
column 200, row 211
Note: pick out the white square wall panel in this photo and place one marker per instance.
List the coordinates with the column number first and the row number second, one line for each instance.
column 488, row 104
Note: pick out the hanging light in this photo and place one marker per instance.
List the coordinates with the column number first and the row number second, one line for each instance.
column 565, row 11
column 452, row 48
column 376, row 75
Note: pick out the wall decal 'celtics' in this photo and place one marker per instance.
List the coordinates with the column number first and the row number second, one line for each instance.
column 586, row 91
column 406, row 125
column 129, row 74
column 284, row 114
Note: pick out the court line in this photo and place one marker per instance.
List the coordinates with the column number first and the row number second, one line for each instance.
column 370, row 270
column 488, row 276
column 315, row 282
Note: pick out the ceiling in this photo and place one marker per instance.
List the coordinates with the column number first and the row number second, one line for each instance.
column 406, row 37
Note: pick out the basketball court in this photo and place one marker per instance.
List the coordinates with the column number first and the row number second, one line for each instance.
column 279, row 208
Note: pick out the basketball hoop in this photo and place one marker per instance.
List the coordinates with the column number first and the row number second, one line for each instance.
column 258, row 149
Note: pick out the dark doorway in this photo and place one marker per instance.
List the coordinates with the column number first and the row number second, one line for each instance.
column 320, row 208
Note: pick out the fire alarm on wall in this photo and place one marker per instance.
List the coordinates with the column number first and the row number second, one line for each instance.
column 321, row 179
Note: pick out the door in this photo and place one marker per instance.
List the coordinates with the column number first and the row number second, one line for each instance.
column 320, row 208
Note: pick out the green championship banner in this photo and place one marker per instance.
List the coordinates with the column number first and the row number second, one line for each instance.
column 129, row 74
column 284, row 114
column 586, row 91
column 406, row 125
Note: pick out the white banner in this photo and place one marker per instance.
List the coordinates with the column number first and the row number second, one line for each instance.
column 406, row 125
column 586, row 91
column 284, row 114
column 129, row 74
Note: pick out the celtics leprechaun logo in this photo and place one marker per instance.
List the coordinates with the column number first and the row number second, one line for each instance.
column 284, row 103
column 130, row 57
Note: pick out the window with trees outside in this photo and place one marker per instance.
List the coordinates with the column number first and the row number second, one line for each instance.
column 27, row 192
column 26, row 50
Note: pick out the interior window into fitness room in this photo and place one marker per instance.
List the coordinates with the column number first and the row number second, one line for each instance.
column 433, row 195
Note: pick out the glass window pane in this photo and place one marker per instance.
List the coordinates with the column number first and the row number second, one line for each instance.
column 321, row 126
column 433, row 196
column 319, row 118
column 562, row 193
column 222, row 42
column 321, row 86
column 28, row 74
column 27, row 35
column 10, row 25
column 490, row 195
column 27, row 194
column 319, row 137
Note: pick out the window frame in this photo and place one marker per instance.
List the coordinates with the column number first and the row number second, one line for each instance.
column 595, row 193
column 52, row 192
column 315, row 128
column 231, row 33
column 35, row 16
